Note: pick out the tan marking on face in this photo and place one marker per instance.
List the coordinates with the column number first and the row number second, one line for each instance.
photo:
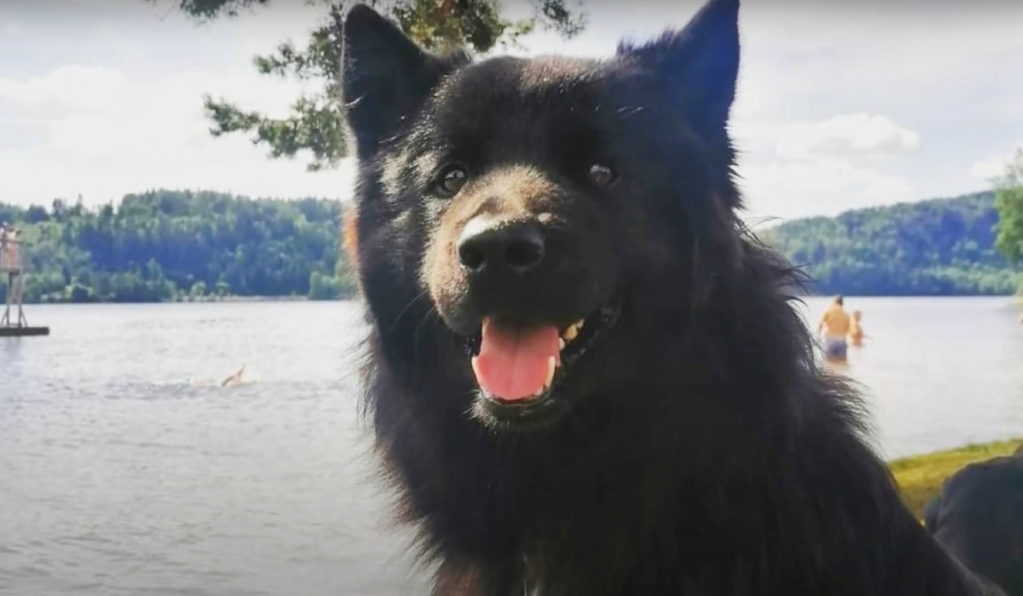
column 512, row 193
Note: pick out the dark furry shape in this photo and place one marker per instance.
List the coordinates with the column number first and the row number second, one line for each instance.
column 978, row 517
column 688, row 443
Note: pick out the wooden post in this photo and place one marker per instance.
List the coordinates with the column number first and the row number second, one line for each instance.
column 5, row 321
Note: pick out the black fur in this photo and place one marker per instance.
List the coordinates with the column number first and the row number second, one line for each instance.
column 978, row 517
column 696, row 448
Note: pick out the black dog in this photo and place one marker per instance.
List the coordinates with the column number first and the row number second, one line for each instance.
column 978, row 517
column 585, row 377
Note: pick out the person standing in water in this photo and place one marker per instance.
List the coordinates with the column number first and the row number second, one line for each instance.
column 834, row 327
column 856, row 334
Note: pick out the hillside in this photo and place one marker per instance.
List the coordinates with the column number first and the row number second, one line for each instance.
column 167, row 245
column 929, row 248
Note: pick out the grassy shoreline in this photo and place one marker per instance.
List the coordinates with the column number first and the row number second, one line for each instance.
column 920, row 477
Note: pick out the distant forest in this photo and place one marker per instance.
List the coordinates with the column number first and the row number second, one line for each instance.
column 939, row 247
column 180, row 245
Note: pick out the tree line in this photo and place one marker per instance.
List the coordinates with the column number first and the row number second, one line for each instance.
column 181, row 245
column 929, row 248
column 199, row 245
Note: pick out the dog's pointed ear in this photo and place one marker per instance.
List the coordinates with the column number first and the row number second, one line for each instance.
column 385, row 76
column 699, row 63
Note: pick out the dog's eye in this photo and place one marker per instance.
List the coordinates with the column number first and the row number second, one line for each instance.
column 451, row 180
column 601, row 175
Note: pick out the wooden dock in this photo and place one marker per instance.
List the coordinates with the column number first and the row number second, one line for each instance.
column 24, row 331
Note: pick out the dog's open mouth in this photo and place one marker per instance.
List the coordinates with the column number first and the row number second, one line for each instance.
column 521, row 366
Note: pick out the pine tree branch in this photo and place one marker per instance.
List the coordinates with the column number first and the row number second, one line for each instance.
column 314, row 126
column 315, row 123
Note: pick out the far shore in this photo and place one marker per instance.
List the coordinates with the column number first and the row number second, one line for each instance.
column 198, row 300
column 347, row 297
column 920, row 477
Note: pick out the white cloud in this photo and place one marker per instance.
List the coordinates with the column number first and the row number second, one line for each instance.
column 12, row 29
column 849, row 136
column 825, row 186
column 106, row 134
column 989, row 168
column 791, row 169
column 993, row 166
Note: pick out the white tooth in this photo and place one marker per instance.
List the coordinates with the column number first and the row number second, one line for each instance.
column 579, row 324
column 486, row 322
column 571, row 333
column 476, row 366
column 552, row 364
column 561, row 343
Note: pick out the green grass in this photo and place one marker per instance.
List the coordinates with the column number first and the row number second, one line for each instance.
column 920, row 477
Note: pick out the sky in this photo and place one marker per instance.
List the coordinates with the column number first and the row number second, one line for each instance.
column 841, row 104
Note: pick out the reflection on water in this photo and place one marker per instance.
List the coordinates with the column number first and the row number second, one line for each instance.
column 126, row 470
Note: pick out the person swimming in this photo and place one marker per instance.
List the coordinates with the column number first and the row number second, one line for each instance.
column 236, row 378
column 834, row 326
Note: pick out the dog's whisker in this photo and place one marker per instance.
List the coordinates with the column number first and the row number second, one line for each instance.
column 628, row 112
column 402, row 312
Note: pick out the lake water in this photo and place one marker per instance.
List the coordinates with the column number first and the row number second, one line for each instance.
column 125, row 471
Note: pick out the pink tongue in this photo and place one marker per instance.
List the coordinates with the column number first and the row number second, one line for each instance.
column 512, row 364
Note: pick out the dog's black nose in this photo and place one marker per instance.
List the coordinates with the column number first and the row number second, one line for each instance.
column 498, row 248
